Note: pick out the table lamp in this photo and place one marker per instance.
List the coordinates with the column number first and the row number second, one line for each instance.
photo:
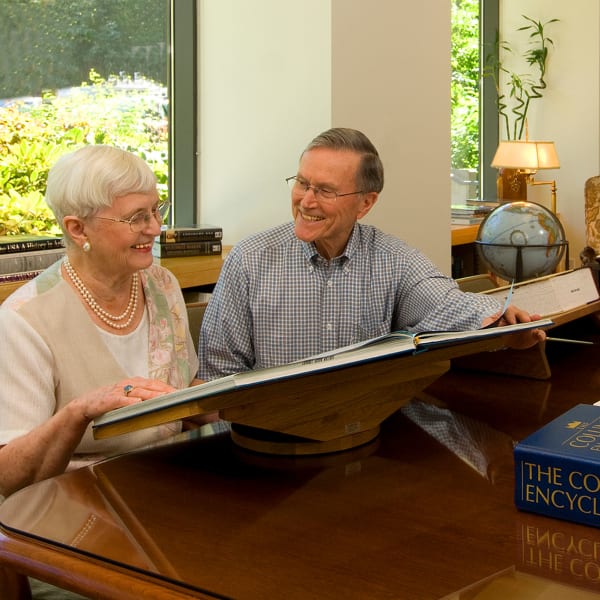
column 518, row 162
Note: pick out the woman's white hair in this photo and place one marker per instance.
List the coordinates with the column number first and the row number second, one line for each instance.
column 84, row 181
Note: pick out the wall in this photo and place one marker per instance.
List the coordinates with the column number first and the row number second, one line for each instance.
column 265, row 91
column 569, row 112
column 274, row 74
column 391, row 78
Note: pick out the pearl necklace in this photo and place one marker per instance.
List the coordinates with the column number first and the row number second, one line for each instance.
column 108, row 318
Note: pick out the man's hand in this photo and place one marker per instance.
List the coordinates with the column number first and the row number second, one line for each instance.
column 513, row 315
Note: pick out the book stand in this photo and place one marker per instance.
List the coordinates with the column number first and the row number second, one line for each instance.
column 319, row 412
column 533, row 362
column 335, row 410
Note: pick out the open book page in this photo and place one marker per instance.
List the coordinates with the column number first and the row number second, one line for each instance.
column 391, row 344
column 387, row 346
column 553, row 294
column 383, row 347
column 507, row 300
column 438, row 338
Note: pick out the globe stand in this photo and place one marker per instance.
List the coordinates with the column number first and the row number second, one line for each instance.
column 518, row 270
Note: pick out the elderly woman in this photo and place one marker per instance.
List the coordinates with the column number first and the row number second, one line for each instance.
column 103, row 328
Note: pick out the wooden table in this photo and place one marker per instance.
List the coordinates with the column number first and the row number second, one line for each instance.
column 409, row 515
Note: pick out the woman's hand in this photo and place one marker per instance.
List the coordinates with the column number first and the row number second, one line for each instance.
column 125, row 392
column 45, row 451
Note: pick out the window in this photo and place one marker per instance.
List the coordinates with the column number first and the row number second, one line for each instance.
column 75, row 72
column 474, row 121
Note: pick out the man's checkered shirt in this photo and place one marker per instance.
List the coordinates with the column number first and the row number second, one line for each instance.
column 277, row 300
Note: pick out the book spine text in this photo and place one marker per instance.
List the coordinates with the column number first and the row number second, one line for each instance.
column 557, row 486
column 30, row 245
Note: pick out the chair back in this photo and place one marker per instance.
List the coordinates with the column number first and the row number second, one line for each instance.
column 477, row 283
column 195, row 312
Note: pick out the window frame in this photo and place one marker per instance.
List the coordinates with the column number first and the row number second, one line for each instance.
column 489, row 26
column 183, row 120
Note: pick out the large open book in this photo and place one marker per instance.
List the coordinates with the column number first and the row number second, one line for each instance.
column 553, row 294
column 563, row 297
column 205, row 397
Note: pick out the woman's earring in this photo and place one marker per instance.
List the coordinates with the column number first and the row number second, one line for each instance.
column 86, row 246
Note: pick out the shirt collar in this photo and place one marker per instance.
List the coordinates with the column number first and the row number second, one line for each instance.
column 311, row 252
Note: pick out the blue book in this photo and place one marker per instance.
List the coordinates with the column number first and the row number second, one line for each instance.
column 557, row 468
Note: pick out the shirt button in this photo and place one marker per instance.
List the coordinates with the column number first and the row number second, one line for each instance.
column 329, row 283
column 329, row 326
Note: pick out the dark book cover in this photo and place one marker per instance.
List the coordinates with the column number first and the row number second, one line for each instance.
column 192, row 233
column 195, row 248
column 27, row 243
column 557, row 468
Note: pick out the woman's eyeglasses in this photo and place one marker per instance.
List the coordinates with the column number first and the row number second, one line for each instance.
column 142, row 219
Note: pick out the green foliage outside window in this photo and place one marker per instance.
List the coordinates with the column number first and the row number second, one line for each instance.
column 124, row 113
column 118, row 48
column 53, row 44
column 465, row 84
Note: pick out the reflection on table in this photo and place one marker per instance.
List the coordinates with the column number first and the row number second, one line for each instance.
column 424, row 511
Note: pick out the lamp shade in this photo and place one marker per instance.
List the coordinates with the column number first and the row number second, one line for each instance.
column 527, row 155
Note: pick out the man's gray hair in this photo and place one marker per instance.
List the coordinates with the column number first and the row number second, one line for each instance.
column 370, row 173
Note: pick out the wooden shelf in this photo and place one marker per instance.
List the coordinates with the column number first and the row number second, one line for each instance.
column 464, row 234
column 6, row 289
column 196, row 271
column 191, row 271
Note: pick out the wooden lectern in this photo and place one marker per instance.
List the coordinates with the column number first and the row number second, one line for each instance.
column 324, row 411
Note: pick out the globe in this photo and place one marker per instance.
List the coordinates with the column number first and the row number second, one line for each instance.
column 521, row 240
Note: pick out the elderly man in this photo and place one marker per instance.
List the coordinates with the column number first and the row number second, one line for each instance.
column 325, row 280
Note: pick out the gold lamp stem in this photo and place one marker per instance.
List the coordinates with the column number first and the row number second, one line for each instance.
column 552, row 190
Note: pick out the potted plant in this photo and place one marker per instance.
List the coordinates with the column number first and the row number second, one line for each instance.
column 515, row 92
column 521, row 89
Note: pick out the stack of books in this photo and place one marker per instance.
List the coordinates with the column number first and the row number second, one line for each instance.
column 22, row 257
column 195, row 240
column 471, row 213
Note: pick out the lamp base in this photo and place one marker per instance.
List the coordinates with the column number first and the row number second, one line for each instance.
column 511, row 185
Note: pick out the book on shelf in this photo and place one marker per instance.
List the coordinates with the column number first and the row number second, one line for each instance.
column 191, row 233
column 16, row 277
column 196, row 248
column 552, row 294
column 26, row 243
column 557, row 468
column 34, row 260
column 204, row 398
column 471, row 209
column 465, row 220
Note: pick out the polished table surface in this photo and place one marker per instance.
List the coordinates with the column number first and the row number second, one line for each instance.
column 424, row 512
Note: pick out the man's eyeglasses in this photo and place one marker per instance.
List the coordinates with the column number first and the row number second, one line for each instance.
column 142, row 219
column 301, row 186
